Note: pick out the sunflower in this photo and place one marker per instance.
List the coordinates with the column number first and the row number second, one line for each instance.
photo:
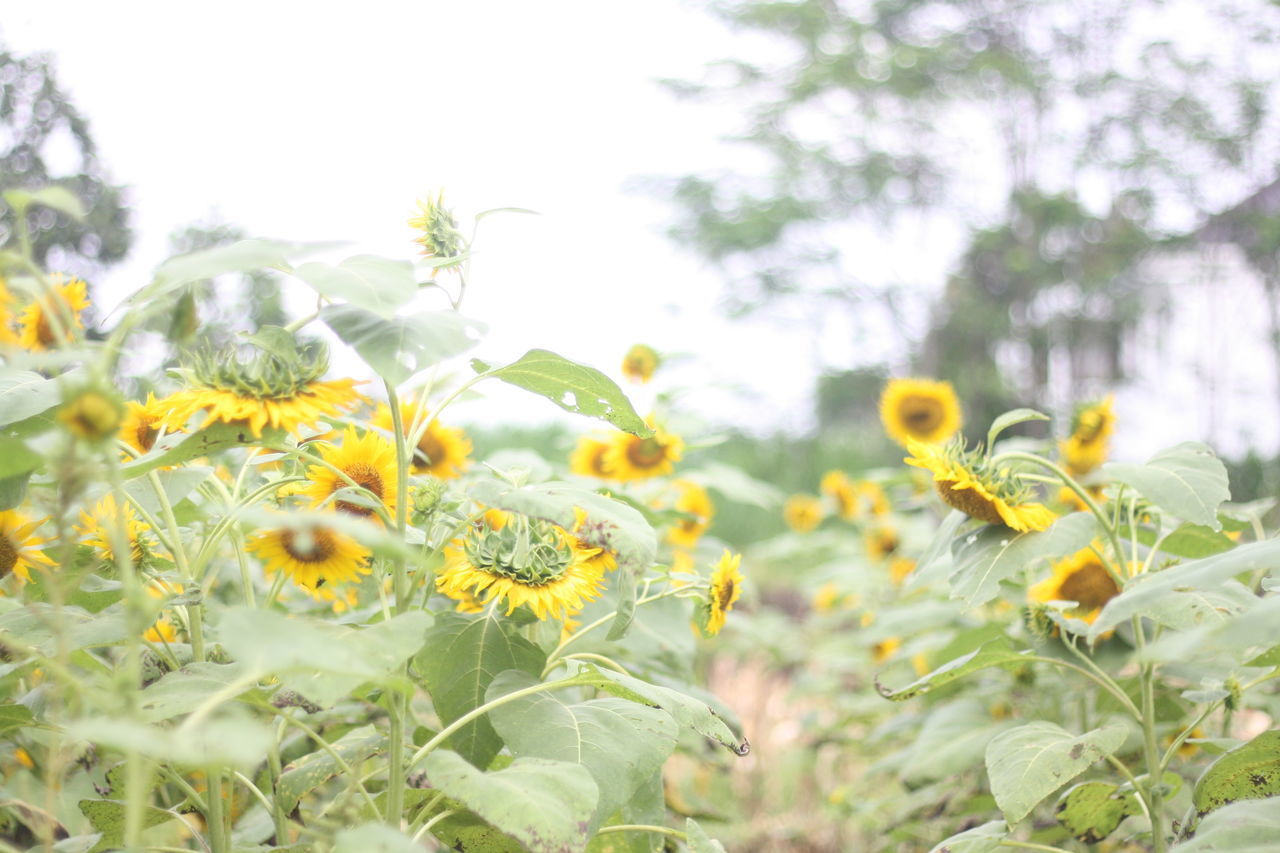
column 8, row 337
column 587, row 459
column 37, row 327
column 900, row 568
column 919, row 410
column 528, row 561
column 92, row 415
column 1090, row 440
column 1082, row 578
column 726, row 588
column 640, row 362
column 588, row 539
column 19, row 546
column 967, row 481
column 439, row 237
column 698, row 510
column 802, row 513
column 873, row 494
column 311, row 557
column 95, row 530
column 442, row 451
column 881, row 541
column 369, row 461
column 143, row 422
column 630, row 457
column 838, row 486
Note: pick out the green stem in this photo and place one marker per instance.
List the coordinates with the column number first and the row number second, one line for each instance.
column 403, row 595
column 275, row 768
column 1106, row 684
column 426, row 827
column 195, row 612
column 217, row 814
column 1151, row 748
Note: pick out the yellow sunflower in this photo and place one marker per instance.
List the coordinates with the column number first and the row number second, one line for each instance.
column 1090, row 440
column 802, row 513
column 8, row 337
column 92, row 415
column 442, row 451
column 585, row 534
column 630, row 457
column 640, row 362
column 885, row 649
column 873, row 494
column 528, row 562
column 143, row 422
column 881, row 541
column 968, row 482
column 36, row 330
column 696, row 505
column 368, row 460
column 919, row 410
column 587, row 459
column 311, row 557
column 306, row 404
column 95, row 530
column 1082, row 578
column 20, row 546
column 726, row 588
column 900, row 568
column 838, row 486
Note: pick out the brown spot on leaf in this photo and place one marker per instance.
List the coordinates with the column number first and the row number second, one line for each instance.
column 1076, row 751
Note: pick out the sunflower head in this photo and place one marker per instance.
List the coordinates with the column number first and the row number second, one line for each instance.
column 802, row 513
column 92, row 414
column 368, row 461
column 724, row 591
column 95, row 529
column 630, row 457
column 1090, row 440
column 442, row 451
column 881, row 541
column 438, row 230
column 640, row 362
column 970, row 482
column 1082, row 578
column 143, row 422
column 51, row 318
column 20, row 547
column 587, row 459
column 919, row 410
column 697, row 509
column 8, row 337
column 311, row 555
column 837, row 485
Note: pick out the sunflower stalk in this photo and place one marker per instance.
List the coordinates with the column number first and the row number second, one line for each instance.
column 398, row 705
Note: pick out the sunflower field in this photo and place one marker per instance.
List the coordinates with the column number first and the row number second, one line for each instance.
column 249, row 606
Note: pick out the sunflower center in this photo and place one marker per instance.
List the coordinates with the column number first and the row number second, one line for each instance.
column 969, row 501
column 724, row 595
column 44, row 333
column 646, row 453
column 431, row 448
column 8, row 556
column 315, row 546
column 367, row 477
column 597, row 461
column 145, row 434
column 922, row 415
column 1090, row 586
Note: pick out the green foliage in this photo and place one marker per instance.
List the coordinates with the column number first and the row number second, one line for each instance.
column 399, row 348
column 983, row 559
column 1248, row 772
column 1030, row 762
column 1091, row 811
column 1187, row 481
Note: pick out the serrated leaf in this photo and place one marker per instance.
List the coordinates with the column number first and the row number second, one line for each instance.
column 1029, row 763
column 620, row 743
column 24, row 394
column 107, row 817
column 571, row 386
column 981, row 839
column 993, row 554
column 459, row 660
column 998, row 652
column 1248, row 772
column 1245, row 827
column 1091, row 811
column 398, row 348
column 380, row 285
column 314, row 769
column 544, row 804
column 1008, row 419
column 1186, row 480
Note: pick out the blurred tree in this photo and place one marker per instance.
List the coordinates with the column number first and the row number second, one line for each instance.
column 1059, row 140
column 44, row 140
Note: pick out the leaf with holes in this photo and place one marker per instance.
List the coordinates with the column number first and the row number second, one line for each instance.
column 107, row 817
column 1091, row 811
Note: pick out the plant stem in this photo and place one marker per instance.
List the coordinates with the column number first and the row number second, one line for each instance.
column 397, row 706
column 1151, row 748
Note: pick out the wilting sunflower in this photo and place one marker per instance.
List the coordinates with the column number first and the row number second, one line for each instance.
column 967, row 481
column 36, row 327
column 442, row 451
column 919, row 410
column 95, row 530
column 630, row 457
column 640, row 362
column 698, row 510
column 802, row 513
column 368, row 460
column 881, row 541
column 726, row 588
column 587, row 459
column 143, row 422
column 1082, row 578
column 528, row 562
column 837, row 485
column 311, row 557
column 20, row 546
column 1090, row 440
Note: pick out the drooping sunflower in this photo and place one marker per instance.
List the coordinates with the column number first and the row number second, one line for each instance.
column 442, row 451
column 312, row 556
column 143, row 422
column 967, row 481
column 1082, row 578
column 802, row 513
column 587, row 459
column 726, row 588
column 640, row 362
column 37, row 326
column 630, row 457
column 368, row 460
column 1090, row 440
column 881, row 541
column 698, row 510
column 95, row 530
column 919, row 410
column 837, row 485
column 20, row 546
column 528, row 562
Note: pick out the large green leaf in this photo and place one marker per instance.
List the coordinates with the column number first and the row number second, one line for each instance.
column 983, row 559
column 545, row 804
column 177, row 483
column 107, row 817
column 1008, row 419
column 998, row 652
column 1186, row 480
column 1091, row 811
column 1251, row 826
column 981, row 839
column 460, row 659
column 24, row 394
column 571, row 386
column 33, row 625
column 398, row 348
column 380, row 285
column 935, row 563
column 647, row 807
column 185, row 689
column 1248, row 772
column 314, row 769
column 374, row 838
column 244, row 256
column 17, row 460
column 180, row 447
column 1189, row 540
column 229, row 740
column 620, row 743
column 1029, row 763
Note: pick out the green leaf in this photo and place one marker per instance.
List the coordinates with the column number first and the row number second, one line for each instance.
column 952, row 739
column 380, row 285
column 60, row 199
column 620, row 743
column 998, row 652
column 17, row 460
column 1186, row 480
column 107, row 817
column 1091, row 811
column 24, row 394
column 546, row 805
column 646, row 807
column 177, row 483
column 314, row 769
column 177, row 448
column 398, row 348
column 571, row 386
column 1189, row 540
column 460, row 659
column 244, row 256
column 466, row 830
column 32, row 625
column 184, row 690
column 1248, row 772
column 698, row 840
column 993, row 554
column 1251, row 826
column 374, row 838
column 1029, row 763
column 981, row 839
column 931, row 566
column 14, row 717
column 230, row 741
column 1008, row 419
